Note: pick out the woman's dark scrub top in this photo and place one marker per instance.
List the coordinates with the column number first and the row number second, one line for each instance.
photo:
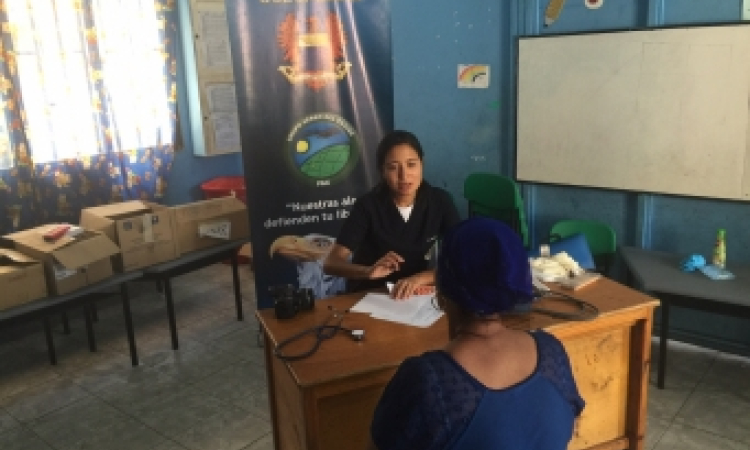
column 375, row 226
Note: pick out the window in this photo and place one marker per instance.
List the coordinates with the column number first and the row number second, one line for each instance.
column 90, row 82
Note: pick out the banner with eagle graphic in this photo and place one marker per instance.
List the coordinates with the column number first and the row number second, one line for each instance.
column 315, row 95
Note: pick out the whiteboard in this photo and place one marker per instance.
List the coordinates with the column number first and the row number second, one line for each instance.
column 661, row 110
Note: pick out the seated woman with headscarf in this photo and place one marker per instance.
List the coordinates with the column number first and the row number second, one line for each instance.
column 492, row 386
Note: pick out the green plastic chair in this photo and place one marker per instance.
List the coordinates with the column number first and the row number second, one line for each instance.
column 600, row 237
column 497, row 196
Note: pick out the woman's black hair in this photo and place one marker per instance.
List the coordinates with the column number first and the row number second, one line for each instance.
column 392, row 139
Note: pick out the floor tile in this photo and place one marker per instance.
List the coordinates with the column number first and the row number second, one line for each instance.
column 729, row 373
column 22, row 439
column 655, row 429
column 264, row 443
column 719, row 412
column 210, row 327
column 200, row 421
column 228, row 429
column 38, row 400
column 243, row 343
column 94, row 424
column 17, row 378
column 242, row 384
column 189, row 365
column 686, row 364
column 680, row 437
column 666, row 403
column 139, row 395
column 7, row 422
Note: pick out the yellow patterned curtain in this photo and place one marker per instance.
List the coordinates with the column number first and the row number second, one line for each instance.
column 88, row 91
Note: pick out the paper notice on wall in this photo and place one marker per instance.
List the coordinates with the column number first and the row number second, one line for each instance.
column 221, row 97
column 745, row 9
column 212, row 29
column 226, row 128
column 222, row 106
column 218, row 230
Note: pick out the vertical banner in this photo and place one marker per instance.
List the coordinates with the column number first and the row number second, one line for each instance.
column 315, row 95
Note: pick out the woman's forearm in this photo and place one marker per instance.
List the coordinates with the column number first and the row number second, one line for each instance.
column 345, row 269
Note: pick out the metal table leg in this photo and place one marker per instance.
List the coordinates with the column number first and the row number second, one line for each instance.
column 663, row 337
column 129, row 323
column 50, row 341
column 65, row 322
column 236, row 280
column 170, row 312
column 87, row 314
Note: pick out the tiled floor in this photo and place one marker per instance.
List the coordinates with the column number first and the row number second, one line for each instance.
column 211, row 394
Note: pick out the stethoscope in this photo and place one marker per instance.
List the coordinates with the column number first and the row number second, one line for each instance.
column 322, row 332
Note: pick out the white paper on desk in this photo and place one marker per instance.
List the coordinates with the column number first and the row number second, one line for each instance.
column 415, row 310
column 424, row 317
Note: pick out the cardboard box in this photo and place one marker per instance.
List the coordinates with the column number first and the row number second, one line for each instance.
column 209, row 222
column 143, row 230
column 69, row 263
column 21, row 279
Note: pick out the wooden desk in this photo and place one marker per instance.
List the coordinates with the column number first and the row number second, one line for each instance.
column 659, row 273
column 325, row 402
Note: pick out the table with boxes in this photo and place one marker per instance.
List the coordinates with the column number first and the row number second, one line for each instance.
column 198, row 228
column 41, row 275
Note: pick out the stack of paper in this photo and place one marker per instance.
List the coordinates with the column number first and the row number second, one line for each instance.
column 416, row 310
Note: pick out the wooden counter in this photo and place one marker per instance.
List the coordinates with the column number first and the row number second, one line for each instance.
column 326, row 401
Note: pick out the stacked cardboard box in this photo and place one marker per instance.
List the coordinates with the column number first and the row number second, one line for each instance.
column 70, row 263
column 21, row 279
column 207, row 223
column 144, row 232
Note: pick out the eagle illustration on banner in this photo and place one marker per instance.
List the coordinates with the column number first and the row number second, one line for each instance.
column 316, row 54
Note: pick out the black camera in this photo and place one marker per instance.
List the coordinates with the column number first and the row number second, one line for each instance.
column 288, row 301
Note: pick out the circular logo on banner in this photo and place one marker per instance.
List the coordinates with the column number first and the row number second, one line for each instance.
column 593, row 4
column 323, row 148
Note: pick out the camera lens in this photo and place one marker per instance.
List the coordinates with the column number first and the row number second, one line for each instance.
column 284, row 303
column 306, row 299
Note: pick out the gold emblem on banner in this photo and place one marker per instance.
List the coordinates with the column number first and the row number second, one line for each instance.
column 316, row 53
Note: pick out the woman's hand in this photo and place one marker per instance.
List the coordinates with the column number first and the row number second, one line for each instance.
column 386, row 265
column 418, row 284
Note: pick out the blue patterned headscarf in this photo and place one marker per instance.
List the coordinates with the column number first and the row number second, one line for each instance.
column 483, row 267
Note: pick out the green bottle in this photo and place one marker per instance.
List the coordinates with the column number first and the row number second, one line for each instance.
column 720, row 249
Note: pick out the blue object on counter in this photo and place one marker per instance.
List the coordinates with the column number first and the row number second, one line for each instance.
column 692, row 262
column 716, row 273
column 576, row 246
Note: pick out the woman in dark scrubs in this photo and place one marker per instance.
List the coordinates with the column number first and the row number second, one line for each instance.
column 392, row 231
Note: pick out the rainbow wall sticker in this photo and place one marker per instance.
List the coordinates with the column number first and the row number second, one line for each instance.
column 475, row 76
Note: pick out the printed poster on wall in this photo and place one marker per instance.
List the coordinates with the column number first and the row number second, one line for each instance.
column 315, row 95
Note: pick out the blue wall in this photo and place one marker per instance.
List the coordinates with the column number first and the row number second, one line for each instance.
column 188, row 170
column 469, row 130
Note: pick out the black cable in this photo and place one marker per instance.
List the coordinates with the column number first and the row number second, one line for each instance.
column 585, row 310
column 324, row 331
